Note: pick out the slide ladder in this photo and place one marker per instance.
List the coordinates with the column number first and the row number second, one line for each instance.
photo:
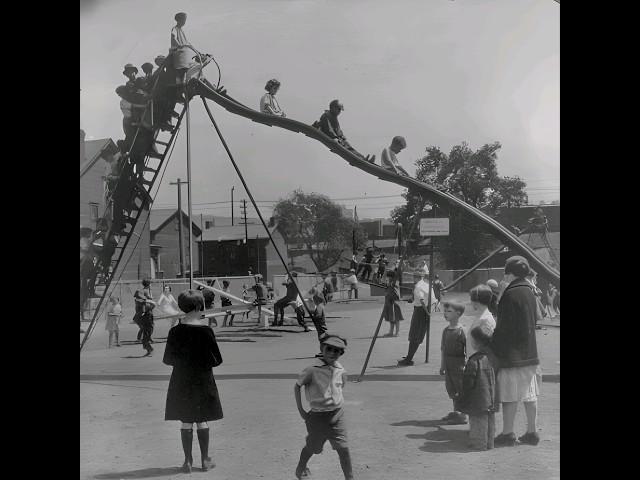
column 136, row 206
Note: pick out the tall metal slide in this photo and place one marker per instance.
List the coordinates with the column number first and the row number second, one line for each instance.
column 206, row 90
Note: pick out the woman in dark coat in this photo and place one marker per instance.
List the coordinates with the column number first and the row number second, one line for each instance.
column 514, row 345
column 193, row 396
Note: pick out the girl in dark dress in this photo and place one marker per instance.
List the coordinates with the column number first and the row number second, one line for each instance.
column 392, row 312
column 192, row 396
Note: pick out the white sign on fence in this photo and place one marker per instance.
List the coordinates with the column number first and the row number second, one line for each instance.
column 434, row 227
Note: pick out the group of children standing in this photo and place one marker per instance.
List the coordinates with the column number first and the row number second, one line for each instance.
column 470, row 378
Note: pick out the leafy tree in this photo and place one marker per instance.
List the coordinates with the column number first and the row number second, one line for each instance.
column 318, row 223
column 473, row 177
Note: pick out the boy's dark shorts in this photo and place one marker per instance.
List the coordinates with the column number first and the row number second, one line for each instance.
column 323, row 426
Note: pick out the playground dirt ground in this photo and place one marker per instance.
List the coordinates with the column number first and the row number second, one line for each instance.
column 392, row 415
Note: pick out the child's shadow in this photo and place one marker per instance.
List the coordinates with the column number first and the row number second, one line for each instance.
column 142, row 473
column 443, row 441
column 420, row 423
column 440, row 440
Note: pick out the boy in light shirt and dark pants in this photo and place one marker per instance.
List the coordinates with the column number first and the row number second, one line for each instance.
column 323, row 384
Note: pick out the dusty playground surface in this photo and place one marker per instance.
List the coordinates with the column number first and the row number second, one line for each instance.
column 393, row 414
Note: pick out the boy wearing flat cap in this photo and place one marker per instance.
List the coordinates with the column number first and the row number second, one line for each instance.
column 323, row 384
column 330, row 126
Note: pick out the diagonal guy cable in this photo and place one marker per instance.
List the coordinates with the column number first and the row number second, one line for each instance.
column 246, row 187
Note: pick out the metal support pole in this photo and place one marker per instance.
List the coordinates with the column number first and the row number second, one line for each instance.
column 201, row 247
column 189, row 204
column 373, row 341
column 255, row 205
column 232, row 205
column 426, row 358
column 179, row 183
column 258, row 254
column 246, row 233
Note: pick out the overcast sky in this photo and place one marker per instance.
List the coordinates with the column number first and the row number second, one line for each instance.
column 438, row 72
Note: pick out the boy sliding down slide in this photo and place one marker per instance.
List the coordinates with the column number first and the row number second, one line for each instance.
column 388, row 158
column 330, row 126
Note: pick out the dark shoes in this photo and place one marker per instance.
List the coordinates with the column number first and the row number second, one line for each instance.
column 530, row 438
column 405, row 362
column 207, row 464
column 186, row 467
column 302, row 472
column 503, row 440
column 458, row 419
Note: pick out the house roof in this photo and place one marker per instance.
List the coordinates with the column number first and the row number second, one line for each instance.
column 93, row 150
column 158, row 216
column 161, row 216
column 236, row 232
column 221, row 220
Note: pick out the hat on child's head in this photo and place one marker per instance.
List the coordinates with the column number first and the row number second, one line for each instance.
column 334, row 341
column 129, row 67
column 517, row 265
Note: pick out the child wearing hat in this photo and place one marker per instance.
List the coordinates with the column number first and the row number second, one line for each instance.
column 330, row 126
column 323, row 384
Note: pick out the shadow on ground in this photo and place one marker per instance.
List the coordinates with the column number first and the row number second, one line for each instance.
column 234, row 340
column 443, row 441
column 420, row 423
column 440, row 440
column 387, row 367
column 243, row 334
column 142, row 473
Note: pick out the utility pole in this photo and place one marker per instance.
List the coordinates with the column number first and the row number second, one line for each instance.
column 232, row 205
column 246, row 235
column 180, row 246
column 432, row 250
column 258, row 253
column 189, row 204
column 201, row 247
